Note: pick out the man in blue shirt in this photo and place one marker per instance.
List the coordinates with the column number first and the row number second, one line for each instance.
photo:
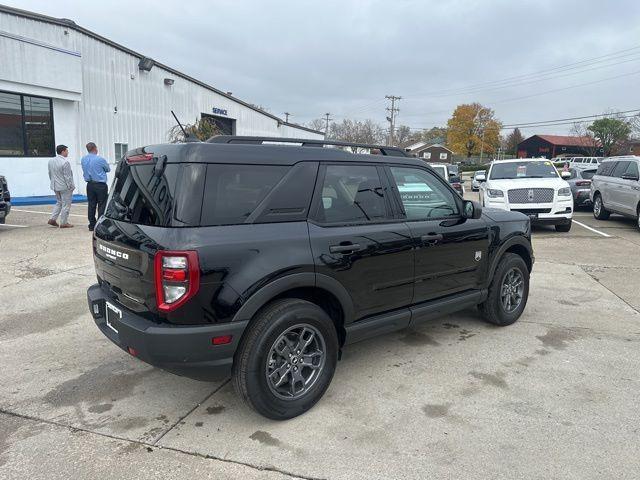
column 94, row 169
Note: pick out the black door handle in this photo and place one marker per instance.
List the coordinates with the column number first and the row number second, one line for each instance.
column 349, row 248
column 431, row 238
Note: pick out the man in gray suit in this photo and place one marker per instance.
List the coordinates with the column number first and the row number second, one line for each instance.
column 62, row 184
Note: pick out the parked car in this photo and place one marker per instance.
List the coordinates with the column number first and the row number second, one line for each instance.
column 531, row 186
column 615, row 188
column 585, row 162
column 580, row 183
column 449, row 173
column 5, row 199
column 264, row 261
column 479, row 177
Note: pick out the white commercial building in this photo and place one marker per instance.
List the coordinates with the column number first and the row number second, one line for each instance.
column 63, row 84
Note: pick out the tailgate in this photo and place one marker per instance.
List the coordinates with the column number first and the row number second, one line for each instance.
column 126, row 272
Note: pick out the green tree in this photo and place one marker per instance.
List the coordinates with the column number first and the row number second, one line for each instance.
column 611, row 132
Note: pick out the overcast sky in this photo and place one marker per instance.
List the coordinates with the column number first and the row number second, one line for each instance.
column 343, row 57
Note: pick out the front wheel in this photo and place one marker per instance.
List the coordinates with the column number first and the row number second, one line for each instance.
column 563, row 227
column 286, row 359
column 599, row 212
column 508, row 292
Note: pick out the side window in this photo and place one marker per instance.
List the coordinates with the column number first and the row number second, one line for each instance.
column 573, row 172
column 604, row 169
column 423, row 195
column 619, row 169
column 632, row 169
column 352, row 194
column 233, row 191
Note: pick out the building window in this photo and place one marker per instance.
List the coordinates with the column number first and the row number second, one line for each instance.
column 427, row 155
column 27, row 126
column 443, row 156
column 121, row 149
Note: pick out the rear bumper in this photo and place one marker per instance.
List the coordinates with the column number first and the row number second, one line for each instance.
column 182, row 350
column 582, row 197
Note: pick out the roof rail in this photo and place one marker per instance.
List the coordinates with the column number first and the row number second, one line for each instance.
column 304, row 142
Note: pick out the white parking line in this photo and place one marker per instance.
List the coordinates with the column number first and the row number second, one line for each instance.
column 44, row 213
column 592, row 229
column 12, row 225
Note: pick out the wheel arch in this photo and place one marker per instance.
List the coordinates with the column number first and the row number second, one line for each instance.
column 519, row 245
column 321, row 290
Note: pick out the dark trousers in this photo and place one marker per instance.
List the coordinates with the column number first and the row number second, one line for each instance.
column 97, row 197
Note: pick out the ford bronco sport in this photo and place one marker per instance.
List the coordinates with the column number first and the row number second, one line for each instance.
column 262, row 261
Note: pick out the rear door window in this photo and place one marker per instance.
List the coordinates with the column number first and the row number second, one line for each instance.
column 232, row 192
column 619, row 169
column 351, row 194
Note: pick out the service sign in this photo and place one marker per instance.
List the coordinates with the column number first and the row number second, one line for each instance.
column 219, row 111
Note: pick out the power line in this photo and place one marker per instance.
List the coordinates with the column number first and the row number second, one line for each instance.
column 575, row 65
column 547, row 123
column 572, row 118
column 524, row 79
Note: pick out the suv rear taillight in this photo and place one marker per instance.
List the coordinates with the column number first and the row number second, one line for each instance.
column 177, row 278
column 583, row 183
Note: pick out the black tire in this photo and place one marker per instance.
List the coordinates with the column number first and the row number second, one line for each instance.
column 251, row 359
column 563, row 227
column 2, row 220
column 492, row 309
column 638, row 217
column 599, row 211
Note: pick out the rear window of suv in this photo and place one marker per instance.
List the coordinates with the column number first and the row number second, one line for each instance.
column 232, row 191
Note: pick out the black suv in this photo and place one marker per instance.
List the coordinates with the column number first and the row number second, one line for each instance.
column 262, row 261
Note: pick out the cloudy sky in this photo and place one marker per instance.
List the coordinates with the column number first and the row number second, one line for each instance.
column 529, row 60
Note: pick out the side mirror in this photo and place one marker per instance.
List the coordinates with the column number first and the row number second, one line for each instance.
column 565, row 175
column 630, row 176
column 481, row 178
column 472, row 209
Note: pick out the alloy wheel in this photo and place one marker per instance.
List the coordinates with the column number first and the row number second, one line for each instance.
column 512, row 290
column 295, row 361
column 597, row 206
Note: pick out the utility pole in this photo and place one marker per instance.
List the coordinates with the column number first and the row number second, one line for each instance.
column 286, row 116
column 326, row 128
column 393, row 111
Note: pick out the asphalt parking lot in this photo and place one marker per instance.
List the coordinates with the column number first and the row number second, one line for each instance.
column 553, row 396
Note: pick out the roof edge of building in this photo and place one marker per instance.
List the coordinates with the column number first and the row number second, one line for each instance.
column 65, row 22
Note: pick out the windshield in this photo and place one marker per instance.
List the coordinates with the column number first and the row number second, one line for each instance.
column 588, row 174
column 525, row 169
column 479, row 172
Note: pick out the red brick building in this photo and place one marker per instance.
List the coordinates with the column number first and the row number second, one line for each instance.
column 550, row 146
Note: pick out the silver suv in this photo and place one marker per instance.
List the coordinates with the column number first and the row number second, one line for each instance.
column 615, row 188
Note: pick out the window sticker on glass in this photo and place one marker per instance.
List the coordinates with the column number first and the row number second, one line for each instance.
column 521, row 171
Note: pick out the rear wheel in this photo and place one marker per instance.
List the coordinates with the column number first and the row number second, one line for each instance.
column 599, row 212
column 638, row 217
column 286, row 359
column 564, row 227
column 508, row 292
